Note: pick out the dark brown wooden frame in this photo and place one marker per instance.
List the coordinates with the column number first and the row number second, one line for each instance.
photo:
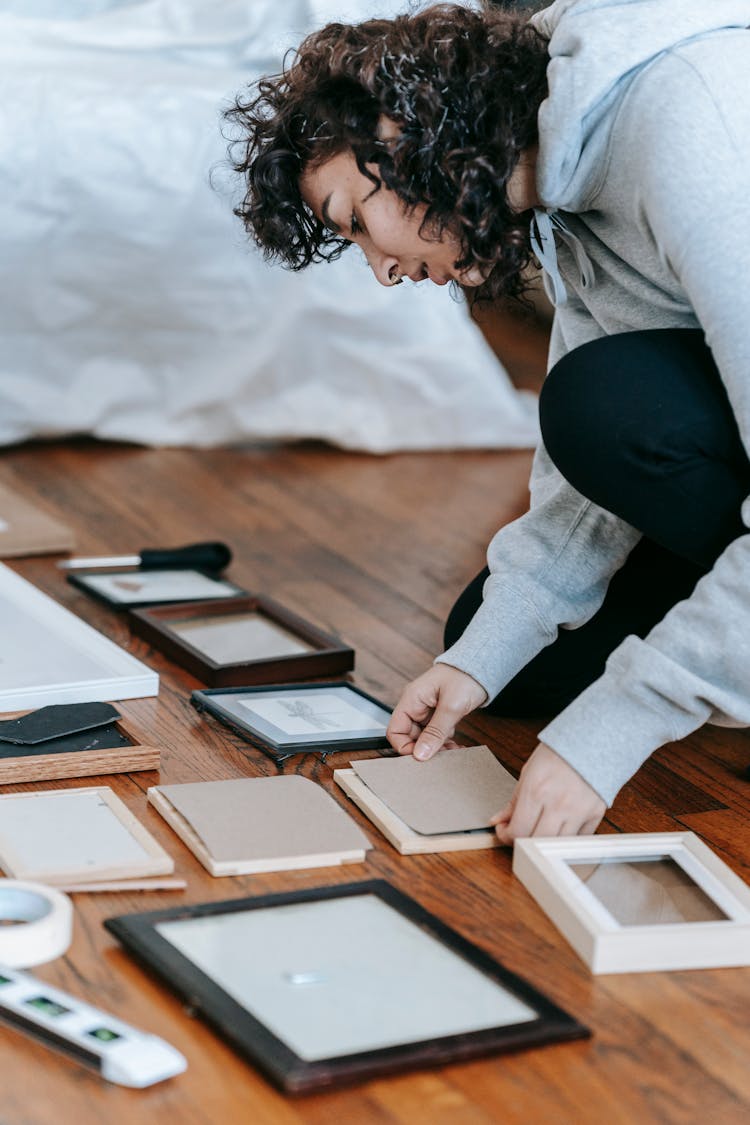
column 293, row 1075
column 330, row 657
column 34, row 765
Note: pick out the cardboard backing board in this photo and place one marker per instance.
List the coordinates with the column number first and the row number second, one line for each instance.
column 26, row 529
column 441, row 805
column 66, row 836
column 250, row 825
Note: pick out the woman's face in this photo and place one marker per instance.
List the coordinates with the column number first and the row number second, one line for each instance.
column 381, row 225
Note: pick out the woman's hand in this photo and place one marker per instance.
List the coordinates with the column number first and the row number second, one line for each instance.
column 550, row 799
column 429, row 709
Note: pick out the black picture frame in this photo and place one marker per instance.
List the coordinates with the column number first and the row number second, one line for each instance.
column 275, row 1058
column 264, row 736
column 326, row 655
column 81, row 580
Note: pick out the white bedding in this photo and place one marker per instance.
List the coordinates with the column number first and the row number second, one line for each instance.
column 133, row 307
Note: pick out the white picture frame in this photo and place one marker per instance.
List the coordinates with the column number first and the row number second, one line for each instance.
column 48, row 655
column 550, row 869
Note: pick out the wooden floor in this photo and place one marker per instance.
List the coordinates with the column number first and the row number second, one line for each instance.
column 375, row 550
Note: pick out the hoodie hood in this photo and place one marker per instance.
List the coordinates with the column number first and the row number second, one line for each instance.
column 597, row 47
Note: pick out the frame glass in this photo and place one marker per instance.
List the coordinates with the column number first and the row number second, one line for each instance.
column 639, row 902
column 272, row 976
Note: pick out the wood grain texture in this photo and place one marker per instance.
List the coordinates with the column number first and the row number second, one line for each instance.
column 373, row 550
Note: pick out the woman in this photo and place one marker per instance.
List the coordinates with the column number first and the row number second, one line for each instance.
column 611, row 139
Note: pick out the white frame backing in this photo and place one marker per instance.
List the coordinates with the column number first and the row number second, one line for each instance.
column 122, row 675
column 542, row 865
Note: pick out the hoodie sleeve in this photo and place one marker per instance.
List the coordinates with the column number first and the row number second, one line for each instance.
column 694, row 666
column 551, row 567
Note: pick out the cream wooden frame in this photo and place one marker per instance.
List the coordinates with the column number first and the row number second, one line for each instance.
column 404, row 839
column 218, row 868
column 155, row 861
column 608, row 947
column 122, row 675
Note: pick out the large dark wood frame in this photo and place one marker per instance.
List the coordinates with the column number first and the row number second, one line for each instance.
column 330, row 657
column 78, row 579
column 274, row 1057
column 211, row 701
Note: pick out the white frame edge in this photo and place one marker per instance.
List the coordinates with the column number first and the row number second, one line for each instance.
column 599, row 940
column 123, row 675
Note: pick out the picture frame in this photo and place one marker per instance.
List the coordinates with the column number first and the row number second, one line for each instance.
column 87, row 749
column 254, row 825
column 639, row 902
column 337, row 964
column 131, row 588
column 287, row 719
column 444, row 805
column 398, row 833
column 48, row 655
column 68, row 836
column 243, row 641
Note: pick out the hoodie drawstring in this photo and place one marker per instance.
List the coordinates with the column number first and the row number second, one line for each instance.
column 543, row 227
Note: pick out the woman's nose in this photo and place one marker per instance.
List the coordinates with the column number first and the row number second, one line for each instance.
column 385, row 267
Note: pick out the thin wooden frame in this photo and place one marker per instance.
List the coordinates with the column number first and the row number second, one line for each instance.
column 36, row 765
column 35, row 626
column 404, row 839
column 328, row 656
column 155, row 860
column 268, row 740
column 284, row 860
column 82, row 579
column 256, row 1041
column 606, row 945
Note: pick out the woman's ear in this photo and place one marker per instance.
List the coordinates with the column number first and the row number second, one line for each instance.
column 388, row 129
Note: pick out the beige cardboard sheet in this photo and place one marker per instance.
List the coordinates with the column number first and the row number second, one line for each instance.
column 26, row 529
column 456, row 791
column 653, row 892
column 263, row 818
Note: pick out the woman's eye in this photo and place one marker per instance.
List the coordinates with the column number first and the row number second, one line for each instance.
column 354, row 225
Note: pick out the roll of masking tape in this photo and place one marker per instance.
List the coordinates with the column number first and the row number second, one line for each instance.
column 36, row 923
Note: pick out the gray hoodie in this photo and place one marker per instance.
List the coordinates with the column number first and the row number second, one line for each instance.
column 644, row 157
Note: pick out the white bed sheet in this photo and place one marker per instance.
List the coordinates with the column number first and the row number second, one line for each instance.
column 133, row 306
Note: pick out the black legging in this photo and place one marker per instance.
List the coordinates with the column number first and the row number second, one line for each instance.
column 639, row 423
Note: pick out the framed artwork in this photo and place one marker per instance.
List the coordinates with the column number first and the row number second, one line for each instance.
column 287, row 719
column 639, row 902
column 249, row 640
column 330, row 985
column 48, row 655
column 131, row 588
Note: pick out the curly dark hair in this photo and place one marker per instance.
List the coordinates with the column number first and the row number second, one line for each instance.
column 464, row 86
